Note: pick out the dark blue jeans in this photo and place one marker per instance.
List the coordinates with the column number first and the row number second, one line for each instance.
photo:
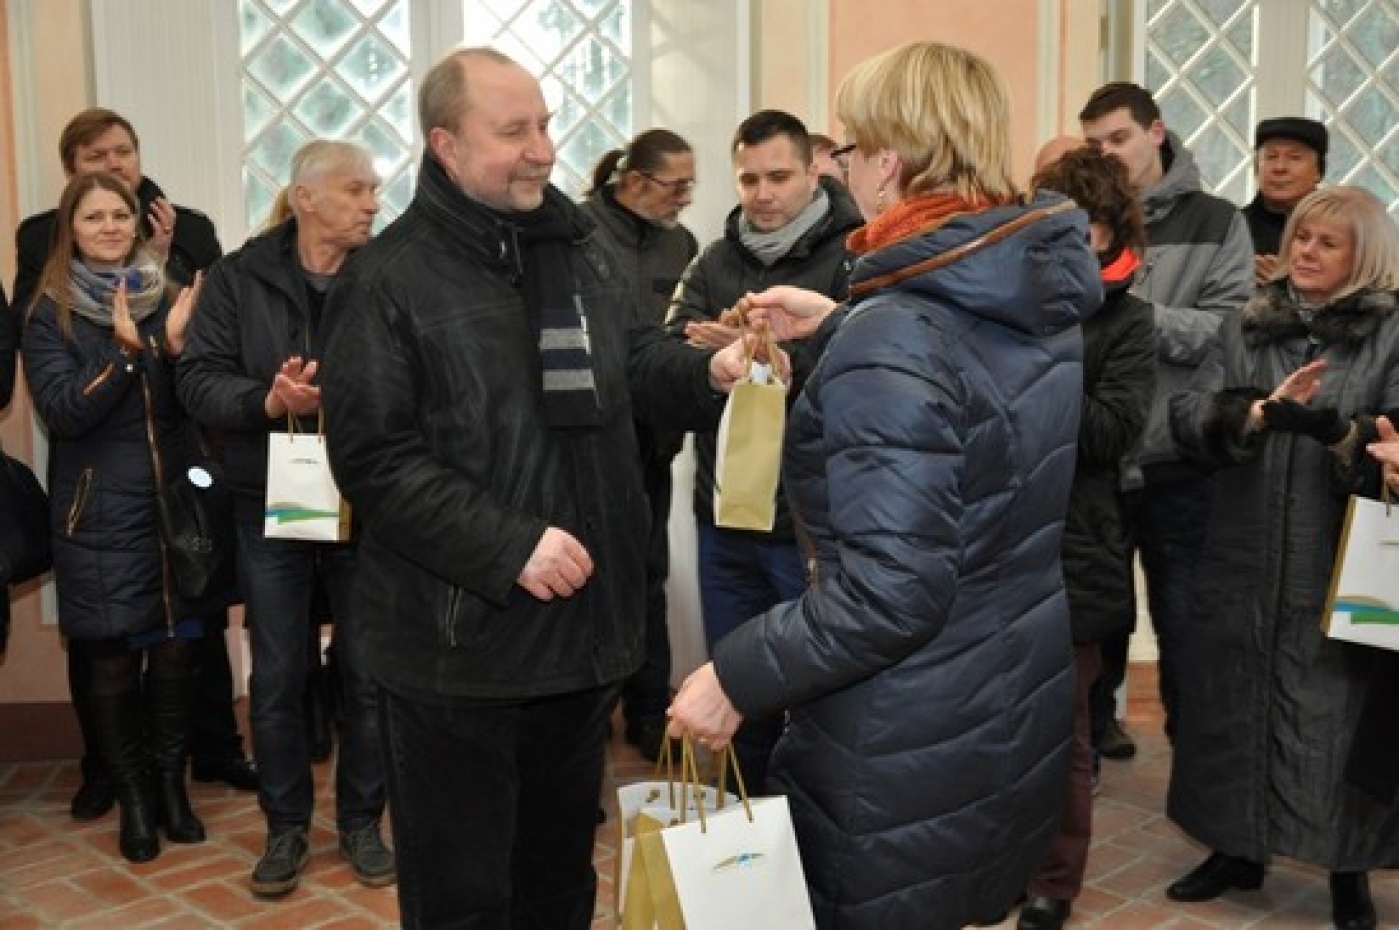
column 277, row 577
column 495, row 809
column 1166, row 523
column 742, row 574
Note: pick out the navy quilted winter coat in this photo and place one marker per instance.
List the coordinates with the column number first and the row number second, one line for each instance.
column 927, row 672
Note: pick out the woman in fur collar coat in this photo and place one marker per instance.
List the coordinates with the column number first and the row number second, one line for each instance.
column 1268, row 714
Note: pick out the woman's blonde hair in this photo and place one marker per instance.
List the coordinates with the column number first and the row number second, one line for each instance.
column 311, row 162
column 1375, row 260
column 944, row 110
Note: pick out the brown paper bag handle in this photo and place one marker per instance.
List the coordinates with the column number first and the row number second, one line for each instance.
column 748, row 355
column 320, row 423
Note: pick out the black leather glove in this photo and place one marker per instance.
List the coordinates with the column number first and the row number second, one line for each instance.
column 1323, row 424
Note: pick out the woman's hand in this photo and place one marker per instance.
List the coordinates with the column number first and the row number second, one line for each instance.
column 703, row 710
column 177, row 320
column 1298, row 388
column 123, row 327
column 162, row 220
column 791, row 312
column 292, row 390
column 1386, row 451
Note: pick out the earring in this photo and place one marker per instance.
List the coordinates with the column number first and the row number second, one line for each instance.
column 879, row 200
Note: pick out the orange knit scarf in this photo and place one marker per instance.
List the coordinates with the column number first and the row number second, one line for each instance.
column 909, row 218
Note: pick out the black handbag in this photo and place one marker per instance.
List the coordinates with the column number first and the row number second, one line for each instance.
column 195, row 514
column 25, row 545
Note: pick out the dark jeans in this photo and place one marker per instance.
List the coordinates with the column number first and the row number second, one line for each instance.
column 743, row 574
column 1166, row 523
column 1061, row 874
column 494, row 810
column 647, row 693
column 276, row 577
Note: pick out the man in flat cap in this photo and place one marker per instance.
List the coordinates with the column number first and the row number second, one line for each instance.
column 1290, row 158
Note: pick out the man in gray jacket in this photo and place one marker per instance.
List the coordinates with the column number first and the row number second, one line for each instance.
column 1197, row 268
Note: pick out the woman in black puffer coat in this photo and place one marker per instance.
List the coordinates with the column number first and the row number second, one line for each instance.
column 98, row 344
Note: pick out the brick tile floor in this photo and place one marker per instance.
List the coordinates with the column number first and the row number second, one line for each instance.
column 55, row 873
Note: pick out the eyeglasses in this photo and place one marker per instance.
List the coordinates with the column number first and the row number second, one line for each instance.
column 677, row 188
column 841, row 155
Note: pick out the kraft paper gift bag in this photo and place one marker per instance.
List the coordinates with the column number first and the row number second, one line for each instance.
column 748, row 458
column 661, row 801
column 1363, row 603
column 303, row 501
column 734, row 869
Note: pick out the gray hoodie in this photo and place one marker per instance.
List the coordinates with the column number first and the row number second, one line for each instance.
column 1198, row 268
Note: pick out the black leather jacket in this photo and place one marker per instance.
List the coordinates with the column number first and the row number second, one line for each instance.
column 431, row 386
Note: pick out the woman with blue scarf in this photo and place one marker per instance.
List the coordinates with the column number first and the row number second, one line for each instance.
column 99, row 343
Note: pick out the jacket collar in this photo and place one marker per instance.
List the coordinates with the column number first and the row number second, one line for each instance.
column 1273, row 315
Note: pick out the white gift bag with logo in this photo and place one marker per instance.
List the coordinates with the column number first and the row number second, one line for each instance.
column 303, row 501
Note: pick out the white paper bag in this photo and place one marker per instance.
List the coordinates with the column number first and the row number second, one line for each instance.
column 661, row 801
column 737, row 869
column 302, row 499
column 1363, row 603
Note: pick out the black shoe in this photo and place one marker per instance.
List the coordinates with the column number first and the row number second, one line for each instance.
column 1043, row 913
column 94, row 798
column 279, row 870
column 371, row 861
column 1216, row 875
column 1351, row 905
column 232, row 771
column 646, row 735
column 1116, row 742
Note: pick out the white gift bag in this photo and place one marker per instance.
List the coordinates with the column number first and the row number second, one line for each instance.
column 732, row 869
column 303, row 501
column 1363, row 603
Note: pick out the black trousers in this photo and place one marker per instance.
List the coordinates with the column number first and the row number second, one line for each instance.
column 494, row 810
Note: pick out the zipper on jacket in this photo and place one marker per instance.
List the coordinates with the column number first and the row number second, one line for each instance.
column 449, row 626
column 98, row 381
column 79, row 500
column 165, row 579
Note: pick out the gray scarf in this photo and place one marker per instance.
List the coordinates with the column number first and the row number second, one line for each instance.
column 772, row 247
column 94, row 290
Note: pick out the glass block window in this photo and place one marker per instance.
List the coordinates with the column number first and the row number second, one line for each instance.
column 327, row 69
column 1200, row 63
column 1203, row 65
column 581, row 52
column 1353, row 86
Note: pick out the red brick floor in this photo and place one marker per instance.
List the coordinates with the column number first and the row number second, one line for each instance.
column 55, row 873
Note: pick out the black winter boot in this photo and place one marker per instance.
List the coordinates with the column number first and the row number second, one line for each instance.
column 117, row 725
column 170, row 702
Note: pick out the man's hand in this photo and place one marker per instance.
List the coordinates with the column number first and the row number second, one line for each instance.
column 1264, row 267
column 1386, row 451
column 162, row 220
column 292, row 390
column 559, row 566
column 703, row 710
column 711, row 334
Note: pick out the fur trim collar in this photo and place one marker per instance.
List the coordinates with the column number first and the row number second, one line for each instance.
column 1273, row 315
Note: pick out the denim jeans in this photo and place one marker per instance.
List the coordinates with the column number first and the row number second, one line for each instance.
column 495, row 810
column 1166, row 524
column 277, row 576
column 743, row 574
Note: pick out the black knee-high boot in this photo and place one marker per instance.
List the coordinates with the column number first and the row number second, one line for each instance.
column 170, row 702
column 121, row 741
column 96, row 793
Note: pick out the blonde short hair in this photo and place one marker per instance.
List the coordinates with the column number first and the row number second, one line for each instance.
column 944, row 110
column 1375, row 261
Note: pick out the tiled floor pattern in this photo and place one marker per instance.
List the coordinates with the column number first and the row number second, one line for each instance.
column 61, row 874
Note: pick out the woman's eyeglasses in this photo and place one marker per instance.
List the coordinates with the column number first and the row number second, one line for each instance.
column 841, row 155
column 677, row 188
